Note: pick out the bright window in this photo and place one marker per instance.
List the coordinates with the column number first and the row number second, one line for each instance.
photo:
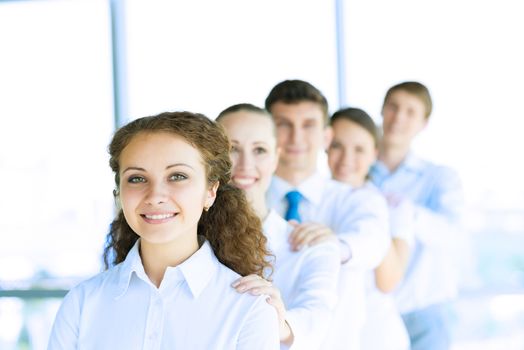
column 57, row 118
column 205, row 55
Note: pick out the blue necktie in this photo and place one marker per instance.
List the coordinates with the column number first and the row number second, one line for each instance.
column 293, row 199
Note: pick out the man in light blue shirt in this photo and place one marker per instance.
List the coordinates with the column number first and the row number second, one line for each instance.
column 436, row 195
column 321, row 208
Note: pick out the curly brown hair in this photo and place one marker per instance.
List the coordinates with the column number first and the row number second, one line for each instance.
column 231, row 226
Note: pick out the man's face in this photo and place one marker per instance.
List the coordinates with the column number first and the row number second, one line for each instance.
column 300, row 134
column 403, row 118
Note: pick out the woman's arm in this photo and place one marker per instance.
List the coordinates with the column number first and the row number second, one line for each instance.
column 391, row 270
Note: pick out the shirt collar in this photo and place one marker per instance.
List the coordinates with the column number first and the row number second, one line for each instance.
column 132, row 263
column 413, row 163
column 197, row 270
column 410, row 163
column 311, row 188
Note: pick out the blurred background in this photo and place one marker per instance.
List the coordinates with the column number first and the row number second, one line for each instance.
column 73, row 70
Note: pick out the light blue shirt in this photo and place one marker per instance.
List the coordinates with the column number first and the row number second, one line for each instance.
column 195, row 307
column 436, row 195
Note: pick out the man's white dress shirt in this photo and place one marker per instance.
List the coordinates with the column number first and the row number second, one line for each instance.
column 359, row 218
column 307, row 280
column 195, row 307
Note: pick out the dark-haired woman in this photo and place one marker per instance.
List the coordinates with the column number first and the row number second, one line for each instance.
column 352, row 152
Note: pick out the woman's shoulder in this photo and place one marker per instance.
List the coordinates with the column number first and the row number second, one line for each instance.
column 244, row 303
column 107, row 279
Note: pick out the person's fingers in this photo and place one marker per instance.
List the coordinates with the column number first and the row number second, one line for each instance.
column 271, row 291
column 247, row 286
column 245, row 278
column 307, row 234
column 298, row 233
column 249, row 282
column 311, row 237
column 297, row 229
column 321, row 238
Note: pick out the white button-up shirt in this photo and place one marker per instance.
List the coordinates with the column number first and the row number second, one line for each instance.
column 307, row 280
column 436, row 195
column 195, row 307
column 359, row 217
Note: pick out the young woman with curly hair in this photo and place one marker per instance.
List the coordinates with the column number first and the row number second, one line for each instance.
column 181, row 237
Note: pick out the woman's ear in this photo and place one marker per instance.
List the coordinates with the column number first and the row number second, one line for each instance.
column 211, row 195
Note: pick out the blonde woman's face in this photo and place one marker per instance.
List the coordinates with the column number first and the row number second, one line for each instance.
column 253, row 153
column 351, row 153
column 163, row 187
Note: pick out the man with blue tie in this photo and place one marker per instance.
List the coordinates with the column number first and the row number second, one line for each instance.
column 321, row 208
column 436, row 196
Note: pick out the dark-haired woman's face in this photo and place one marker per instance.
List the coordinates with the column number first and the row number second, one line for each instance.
column 351, row 153
column 163, row 188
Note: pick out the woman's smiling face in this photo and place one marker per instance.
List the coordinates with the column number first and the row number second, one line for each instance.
column 253, row 151
column 163, row 187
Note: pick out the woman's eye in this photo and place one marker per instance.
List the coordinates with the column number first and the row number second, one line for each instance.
column 234, row 149
column 334, row 145
column 177, row 177
column 136, row 179
column 260, row 150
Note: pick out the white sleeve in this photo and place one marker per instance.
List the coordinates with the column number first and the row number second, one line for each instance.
column 365, row 228
column 401, row 221
column 309, row 313
column 64, row 334
column 438, row 223
column 260, row 329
